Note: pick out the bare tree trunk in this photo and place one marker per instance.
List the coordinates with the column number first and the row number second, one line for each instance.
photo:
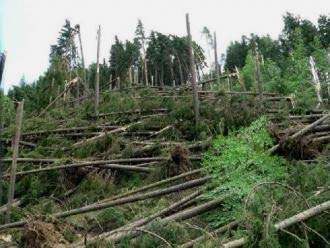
column 97, row 81
column 162, row 77
column 240, row 79
column 2, row 65
column 118, row 83
column 305, row 215
column 317, row 84
column 156, row 75
column 257, row 69
column 115, row 236
column 85, row 83
column 216, row 59
column 110, row 84
column 130, row 76
column 145, row 64
column 11, row 191
column 180, row 70
column 193, row 72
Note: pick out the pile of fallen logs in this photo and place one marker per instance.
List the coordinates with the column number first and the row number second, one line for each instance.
column 188, row 184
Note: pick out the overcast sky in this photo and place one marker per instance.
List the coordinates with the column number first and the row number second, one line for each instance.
column 31, row 26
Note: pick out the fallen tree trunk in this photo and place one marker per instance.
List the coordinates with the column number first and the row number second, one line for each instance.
column 125, row 167
column 31, row 160
column 15, row 203
column 301, row 132
column 137, row 111
column 156, row 184
column 24, row 143
column 71, row 129
column 104, row 134
column 183, row 215
column 214, row 232
column 189, row 213
column 90, row 163
column 122, row 201
column 322, row 139
column 115, row 236
column 305, row 215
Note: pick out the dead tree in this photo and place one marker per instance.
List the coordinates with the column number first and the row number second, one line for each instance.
column 192, row 72
column 85, row 83
column 316, row 80
column 257, row 69
column 115, row 236
column 2, row 64
column 240, row 79
column 217, row 69
column 97, row 80
column 139, row 197
column 11, row 191
column 300, row 217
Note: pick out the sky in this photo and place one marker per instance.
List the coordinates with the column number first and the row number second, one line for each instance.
column 29, row 27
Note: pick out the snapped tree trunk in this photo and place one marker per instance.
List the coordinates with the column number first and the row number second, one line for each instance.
column 192, row 72
column 11, row 191
column 97, row 80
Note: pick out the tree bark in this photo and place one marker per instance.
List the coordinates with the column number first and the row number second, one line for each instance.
column 301, row 132
column 214, row 232
column 98, row 206
column 257, row 69
column 216, row 59
column 192, row 72
column 115, row 236
column 85, row 83
column 97, row 80
column 305, row 215
column 11, row 191
column 156, row 184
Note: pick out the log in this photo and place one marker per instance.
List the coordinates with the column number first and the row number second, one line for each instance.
column 301, row 132
column 161, row 131
column 88, row 163
column 115, row 236
column 68, row 130
column 98, row 206
column 136, row 111
column 156, row 184
column 104, row 134
column 15, row 203
column 21, row 142
column 322, row 139
column 32, row 160
column 183, row 215
column 305, row 215
column 217, row 231
column 125, row 167
column 189, row 213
